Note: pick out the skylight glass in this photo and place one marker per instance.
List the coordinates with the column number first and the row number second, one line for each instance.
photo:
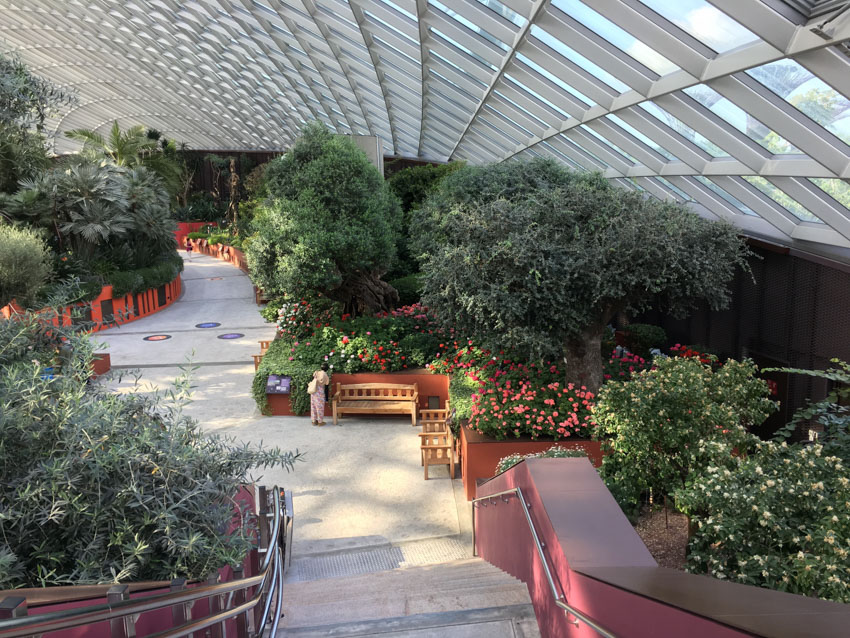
column 469, row 25
column 675, row 189
column 576, row 58
column 617, row 36
column 555, row 79
column 683, row 129
column 838, row 189
column 741, row 120
column 551, row 105
column 780, row 197
column 704, row 22
column 807, row 93
column 504, row 11
column 458, row 45
column 643, row 138
column 610, row 145
column 726, row 196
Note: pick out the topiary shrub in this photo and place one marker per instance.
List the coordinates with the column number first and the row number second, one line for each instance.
column 640, row 338
column 24, row 265
column 101, row 487
column 776, row 518
column 660, row 427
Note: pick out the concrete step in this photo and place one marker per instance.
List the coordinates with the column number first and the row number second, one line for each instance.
column 513, row 621
column 437, row 594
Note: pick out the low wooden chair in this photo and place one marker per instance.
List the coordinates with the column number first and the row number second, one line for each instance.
column 437, row 450
column 264, row 345
column 257, row 359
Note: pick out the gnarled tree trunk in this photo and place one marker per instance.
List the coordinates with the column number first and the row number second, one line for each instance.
column 365, row 294
column 583, row 359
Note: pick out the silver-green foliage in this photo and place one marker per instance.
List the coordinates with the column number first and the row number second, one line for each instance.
column 24, row 264
column 97, row 486
column 554, row 452
column 538, row 258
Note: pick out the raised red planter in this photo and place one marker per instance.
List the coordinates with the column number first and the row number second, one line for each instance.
column 481, row 454
column 184, row 228
column 429, row 385
column 106, row 311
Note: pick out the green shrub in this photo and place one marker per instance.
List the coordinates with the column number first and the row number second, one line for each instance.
column 136, row 281
column 640, row 338
column 659, row 426
column 554, row 452
column 461, row 389
column 24, row 264
column 198, row 235
column 409, row 289
column 774, row 518
column 100, row 487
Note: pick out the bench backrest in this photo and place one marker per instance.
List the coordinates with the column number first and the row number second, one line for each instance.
column 377, row 392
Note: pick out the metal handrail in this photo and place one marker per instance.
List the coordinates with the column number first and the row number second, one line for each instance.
column 269, row 581
column 559, row 597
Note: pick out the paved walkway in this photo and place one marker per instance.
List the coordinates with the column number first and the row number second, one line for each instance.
column 360, row 485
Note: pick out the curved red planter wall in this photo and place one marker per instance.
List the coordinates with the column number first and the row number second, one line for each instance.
column 105, row 311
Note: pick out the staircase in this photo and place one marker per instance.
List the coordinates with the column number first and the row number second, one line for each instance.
column 459, row 599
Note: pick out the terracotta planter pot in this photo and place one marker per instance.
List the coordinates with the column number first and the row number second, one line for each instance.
column 480, row 454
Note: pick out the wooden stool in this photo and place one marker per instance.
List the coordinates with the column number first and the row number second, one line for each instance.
column 264, row 345
column 437, row 450
column 257, row 359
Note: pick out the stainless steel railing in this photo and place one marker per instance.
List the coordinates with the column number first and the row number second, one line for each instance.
column 229, row 600
column 560, row 599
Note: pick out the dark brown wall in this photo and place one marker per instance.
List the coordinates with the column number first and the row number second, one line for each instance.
column 797, row 313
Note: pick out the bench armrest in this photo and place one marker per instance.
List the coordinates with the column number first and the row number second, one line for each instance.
column 415, row 397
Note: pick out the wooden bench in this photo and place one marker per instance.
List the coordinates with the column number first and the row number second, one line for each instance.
column 375, row 398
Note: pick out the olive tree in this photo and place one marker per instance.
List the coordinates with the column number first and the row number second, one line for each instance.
column 330, row 227
column 538, row 258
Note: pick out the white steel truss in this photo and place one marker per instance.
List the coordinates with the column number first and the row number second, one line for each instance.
column 739, row 107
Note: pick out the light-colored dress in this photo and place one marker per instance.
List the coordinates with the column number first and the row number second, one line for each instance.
column 317, row 399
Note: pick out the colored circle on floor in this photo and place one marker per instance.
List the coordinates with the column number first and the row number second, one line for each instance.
column 231, row 335
column 157, row 337
column 214, row 278
column 208, row 324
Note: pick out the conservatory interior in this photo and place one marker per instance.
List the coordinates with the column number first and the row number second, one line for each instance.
column 586, row 261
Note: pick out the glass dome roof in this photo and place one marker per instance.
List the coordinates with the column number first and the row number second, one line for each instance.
column 739, row 107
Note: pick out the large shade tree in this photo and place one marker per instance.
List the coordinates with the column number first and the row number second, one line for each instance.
column 538, row 258
column 330, row 228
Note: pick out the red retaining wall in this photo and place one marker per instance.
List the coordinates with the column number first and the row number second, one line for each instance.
column 184, row 228
column 480, row 454
column 221, row 251
column 105, row 311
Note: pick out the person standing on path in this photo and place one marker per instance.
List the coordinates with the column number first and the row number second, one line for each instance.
column 318, row 396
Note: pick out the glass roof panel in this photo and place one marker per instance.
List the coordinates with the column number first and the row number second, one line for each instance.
column 643, row 138
column 726, row 196
column 683, row 129
column 807, row 93
column 504, row 11
column 398, row 8
column 706, row 23
column 741, row 120
column 537, row 95
column 838, row 189
column 674, row 188
column 461, row 47
column 610, row 145
column 617, row 36
column 555, row 79
column 780, row 197
column 469, row 25
column 576, row 58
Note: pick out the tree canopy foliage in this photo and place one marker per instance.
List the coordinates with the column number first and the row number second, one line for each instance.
column 330, row 227
column 533, row 256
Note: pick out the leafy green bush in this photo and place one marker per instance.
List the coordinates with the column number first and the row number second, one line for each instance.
column 640, row 338
column 409, row 289
column 135, row 281
column 554, row 452
column 99, row 487
column 774, row 518
column 659, row 426
column 329, row 228
column 24, row 264
column 537, row 258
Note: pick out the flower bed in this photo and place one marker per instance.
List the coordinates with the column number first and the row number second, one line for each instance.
column 308, row 336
